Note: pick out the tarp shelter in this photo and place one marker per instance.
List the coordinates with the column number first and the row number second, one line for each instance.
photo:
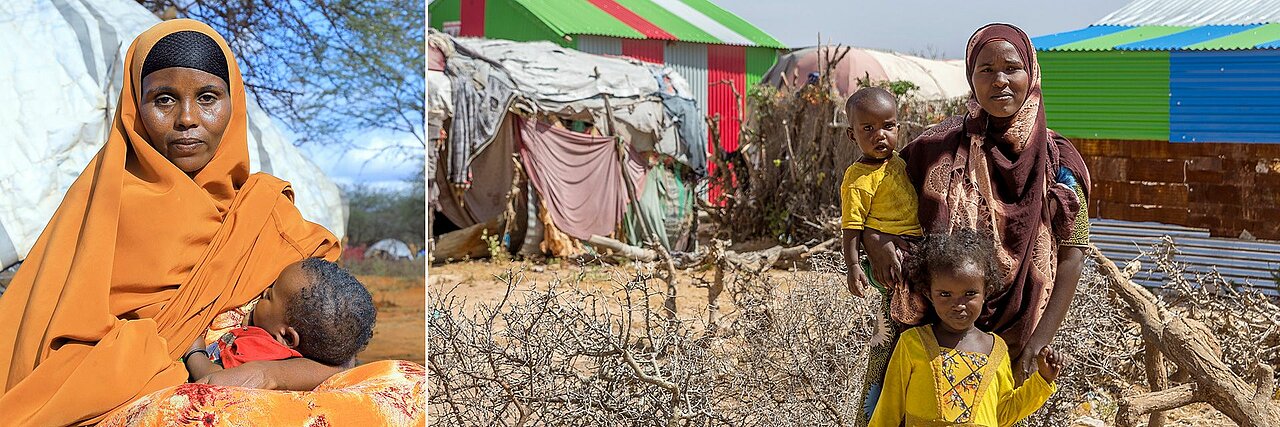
column 60, row 84
column 718, row 52
column 935, row 79
column 390, row 248
column 528, row 97
column 1175, row 106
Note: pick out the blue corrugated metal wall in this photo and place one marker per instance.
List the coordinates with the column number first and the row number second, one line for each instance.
column 1224, row 96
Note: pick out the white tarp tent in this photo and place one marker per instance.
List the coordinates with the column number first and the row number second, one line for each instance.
column 935, row 79
column 570, row 83
column 60, row 81
column 390, row 248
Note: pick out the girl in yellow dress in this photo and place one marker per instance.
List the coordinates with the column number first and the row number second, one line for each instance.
column 948, row 372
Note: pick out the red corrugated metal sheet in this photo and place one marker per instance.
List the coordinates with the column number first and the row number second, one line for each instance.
column 644, row 50
column 726, row 73
column 726, row 65
column 472, row 18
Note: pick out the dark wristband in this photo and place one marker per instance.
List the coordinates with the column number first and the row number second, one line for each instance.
column 189, row 353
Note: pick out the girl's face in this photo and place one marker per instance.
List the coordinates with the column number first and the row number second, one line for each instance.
column 957, row 297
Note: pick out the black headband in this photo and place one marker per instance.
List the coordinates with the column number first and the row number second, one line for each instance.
column 187, row 49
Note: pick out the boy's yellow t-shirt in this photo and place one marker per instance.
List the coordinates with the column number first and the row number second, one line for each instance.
column 879, row 197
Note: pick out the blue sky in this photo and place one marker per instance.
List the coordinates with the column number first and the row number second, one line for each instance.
column 369, row 160
column 912, row 26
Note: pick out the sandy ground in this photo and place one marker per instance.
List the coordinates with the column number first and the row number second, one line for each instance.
column 476, row 283
column 401, row 329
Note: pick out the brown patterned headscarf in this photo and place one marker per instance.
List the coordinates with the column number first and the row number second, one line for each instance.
column 971, row 174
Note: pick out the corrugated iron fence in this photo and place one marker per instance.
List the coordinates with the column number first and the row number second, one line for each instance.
column 1238, row 261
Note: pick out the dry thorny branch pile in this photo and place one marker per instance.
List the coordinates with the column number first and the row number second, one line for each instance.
column 789, row 351
column 797, row 140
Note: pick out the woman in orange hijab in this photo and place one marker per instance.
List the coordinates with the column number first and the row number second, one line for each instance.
column 163, row 230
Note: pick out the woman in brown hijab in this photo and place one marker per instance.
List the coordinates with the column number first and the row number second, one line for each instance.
column 162, row 231
column 1000, row 170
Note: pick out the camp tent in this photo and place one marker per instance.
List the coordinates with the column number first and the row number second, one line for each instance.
column 934, row 79
column 61, row 82
column 390, row 248
column 539, row 103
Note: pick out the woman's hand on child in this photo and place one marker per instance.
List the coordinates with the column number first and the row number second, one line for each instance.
column 198, row 344
column 885, row 252
column 1050, row 364
column 251, row 375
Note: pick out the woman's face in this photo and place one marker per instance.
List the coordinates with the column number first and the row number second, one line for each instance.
column 1000, row 79
column 185, row 111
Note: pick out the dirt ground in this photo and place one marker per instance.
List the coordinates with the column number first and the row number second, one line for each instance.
column 401, row 331
column 476, row 283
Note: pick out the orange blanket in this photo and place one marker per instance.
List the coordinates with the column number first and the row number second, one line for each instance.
column 137, row 260
column 385, row 393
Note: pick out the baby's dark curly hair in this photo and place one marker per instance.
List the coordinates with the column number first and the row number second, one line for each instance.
column 950, row 253
column 333, row 314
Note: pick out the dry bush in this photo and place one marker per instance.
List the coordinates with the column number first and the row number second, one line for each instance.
column 568, row 356
column 1245, row 322
column 789, row 352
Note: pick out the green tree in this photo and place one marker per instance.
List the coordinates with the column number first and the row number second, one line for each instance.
column 378, row 214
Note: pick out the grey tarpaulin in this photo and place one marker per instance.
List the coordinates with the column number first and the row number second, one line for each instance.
column 482, row 93
column 693, row 135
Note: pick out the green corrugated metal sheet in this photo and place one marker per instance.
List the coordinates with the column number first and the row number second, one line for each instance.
column 1243, row 40
column 508, row 19
column 1107, row 95
column 668, row 21
column 571, row 17
column 735, row 23
column 1110, row 41
column 442, row 11
column 759, row 60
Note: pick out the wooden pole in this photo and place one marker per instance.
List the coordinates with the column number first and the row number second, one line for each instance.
column 626, row 175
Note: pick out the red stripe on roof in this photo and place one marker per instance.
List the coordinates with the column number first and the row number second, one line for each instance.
column 632, row 20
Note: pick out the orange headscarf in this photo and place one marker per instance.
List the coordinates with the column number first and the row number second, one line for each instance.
column 136, row 262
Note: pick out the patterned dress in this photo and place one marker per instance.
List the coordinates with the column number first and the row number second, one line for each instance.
column 929, row 385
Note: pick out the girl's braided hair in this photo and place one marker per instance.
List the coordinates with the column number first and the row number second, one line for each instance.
column 950, row 253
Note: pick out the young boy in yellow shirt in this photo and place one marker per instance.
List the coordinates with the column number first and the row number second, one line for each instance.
column 876, row 194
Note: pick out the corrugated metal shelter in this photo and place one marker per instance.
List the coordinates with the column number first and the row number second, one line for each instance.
column 718, row 52
column 1206, row 83
column 1176, row 107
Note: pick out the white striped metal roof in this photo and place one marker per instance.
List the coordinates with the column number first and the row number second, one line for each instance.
column 704, row 22
column 1194, row 12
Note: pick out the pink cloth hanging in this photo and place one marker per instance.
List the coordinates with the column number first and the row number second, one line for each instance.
column 578, row 177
